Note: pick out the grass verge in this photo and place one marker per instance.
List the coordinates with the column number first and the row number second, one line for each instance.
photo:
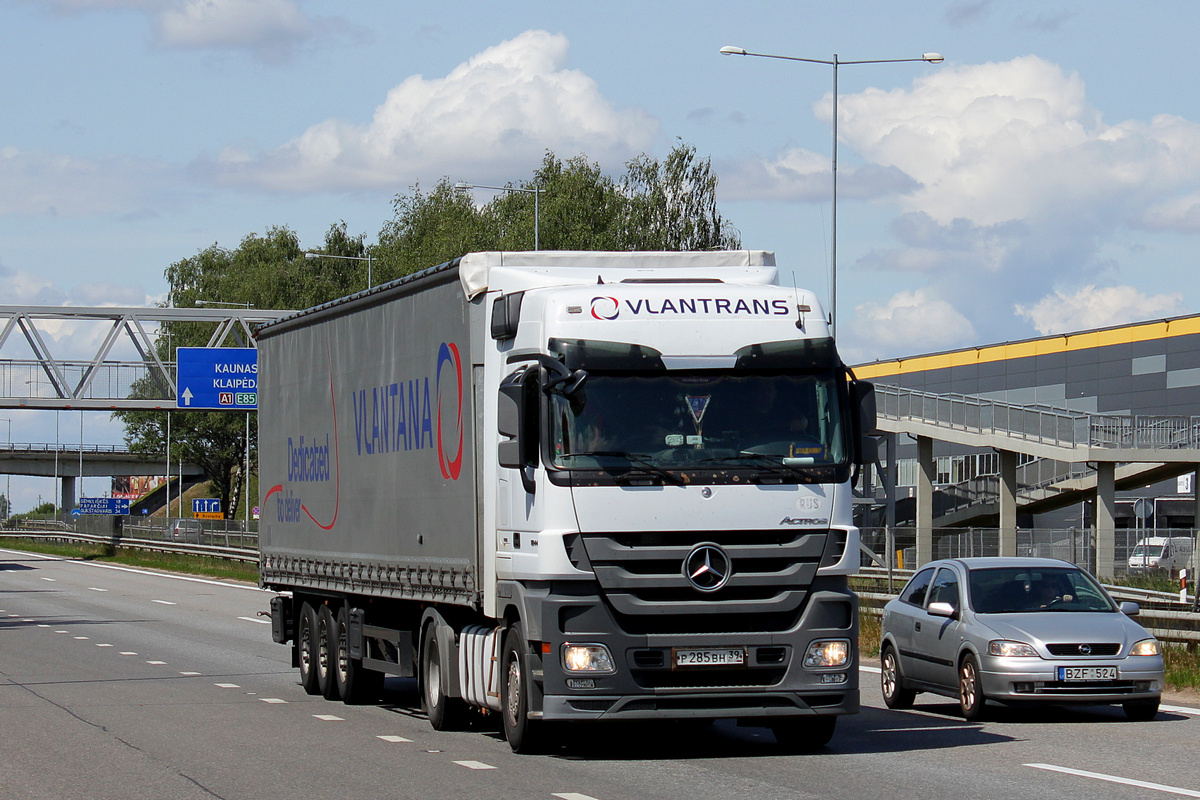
column 190, row 565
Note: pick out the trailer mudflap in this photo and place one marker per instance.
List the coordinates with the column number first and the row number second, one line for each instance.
column 281, row 620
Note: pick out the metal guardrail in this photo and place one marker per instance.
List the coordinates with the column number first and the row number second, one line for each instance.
column 1059, row 427
column 245, row 554
column 1164, row 615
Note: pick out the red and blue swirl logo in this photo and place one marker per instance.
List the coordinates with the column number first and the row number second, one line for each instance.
column 605, row 308
column 450, row 439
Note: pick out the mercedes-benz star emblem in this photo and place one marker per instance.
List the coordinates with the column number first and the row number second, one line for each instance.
column 707, row 567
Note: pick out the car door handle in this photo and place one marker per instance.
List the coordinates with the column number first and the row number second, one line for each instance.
column 917, row 626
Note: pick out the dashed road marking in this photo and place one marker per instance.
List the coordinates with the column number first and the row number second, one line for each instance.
column 474, row 765
column 103, row 645
column 572, row 796
column 157, row 663
column 255, row 619
column 97, row 589
column 227, row 686
column 82, row 638
column 189, row 674
column 52, row 580
column 274, row 700
column 329, row 718
column 128, row 653
column 164, row 602
column 393, row 739
column 1179, row 710
column 1100, row 776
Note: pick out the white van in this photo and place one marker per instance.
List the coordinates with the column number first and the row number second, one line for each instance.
column 1161, row 553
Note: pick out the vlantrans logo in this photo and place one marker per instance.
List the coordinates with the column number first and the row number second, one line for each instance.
column 609, row 308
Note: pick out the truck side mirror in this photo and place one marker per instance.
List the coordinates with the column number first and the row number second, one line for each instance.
column 862, row 398
column 516, row 420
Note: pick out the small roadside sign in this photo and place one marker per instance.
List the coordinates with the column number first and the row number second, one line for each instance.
column 217, row 378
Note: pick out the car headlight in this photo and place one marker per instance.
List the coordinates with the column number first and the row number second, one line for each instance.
column 586, row 658
column 828, row 653
column 1146, row 647
column 1009, row 649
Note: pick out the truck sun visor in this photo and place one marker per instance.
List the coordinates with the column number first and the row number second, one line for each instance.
column 594, row 355
column 803, row 354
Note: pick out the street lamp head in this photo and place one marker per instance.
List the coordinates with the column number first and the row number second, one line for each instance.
column 933, row 58
column 311, row 255
column 730, row 50
column 461, row 185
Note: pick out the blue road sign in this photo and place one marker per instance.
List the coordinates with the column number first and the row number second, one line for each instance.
column 206, row 505
column 104, row 506
column 217, row 378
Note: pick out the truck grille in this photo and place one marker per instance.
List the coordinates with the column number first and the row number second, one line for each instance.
column 642, row 578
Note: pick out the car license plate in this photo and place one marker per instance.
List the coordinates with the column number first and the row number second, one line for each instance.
column 1071, row 674
column 708, row 657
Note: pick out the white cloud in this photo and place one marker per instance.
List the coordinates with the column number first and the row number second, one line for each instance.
column 492, row 117
column 798, row 174
column 1098, row 307
column 909, row 322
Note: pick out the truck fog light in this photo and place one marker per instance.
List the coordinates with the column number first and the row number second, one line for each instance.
column 828, row 653
column 833, row 677
column 581, row 683
column 586, row 658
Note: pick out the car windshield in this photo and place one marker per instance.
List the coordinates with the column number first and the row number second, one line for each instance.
column 1148, row 551
column 698, row 420
column 1009, row 590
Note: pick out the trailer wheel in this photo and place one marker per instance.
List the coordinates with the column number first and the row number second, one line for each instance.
column 521, row 732
column 355, row 683
column 325, row 654
column 445, row 713
column 306, row 645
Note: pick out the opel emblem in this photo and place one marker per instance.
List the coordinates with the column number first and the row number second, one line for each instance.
column 707, row 567
column 1085, row 649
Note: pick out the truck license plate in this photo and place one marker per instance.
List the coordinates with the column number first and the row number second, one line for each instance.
column 709, row 657
column 1070, row 674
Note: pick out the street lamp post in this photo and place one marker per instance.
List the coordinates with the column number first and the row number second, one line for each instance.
column 310, row 255
column 535, row 191
column 931, row 58
column 8, row 478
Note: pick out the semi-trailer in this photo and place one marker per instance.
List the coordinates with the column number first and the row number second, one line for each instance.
column 568, row 487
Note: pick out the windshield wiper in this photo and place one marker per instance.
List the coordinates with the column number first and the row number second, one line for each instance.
column 775, row 464
column 641, row 460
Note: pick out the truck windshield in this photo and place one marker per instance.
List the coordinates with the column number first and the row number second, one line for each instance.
column 697, row 420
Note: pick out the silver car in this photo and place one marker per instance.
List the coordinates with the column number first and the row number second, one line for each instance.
column 1016, row 630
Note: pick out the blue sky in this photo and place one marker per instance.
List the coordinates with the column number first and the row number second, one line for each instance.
column 1045, row 178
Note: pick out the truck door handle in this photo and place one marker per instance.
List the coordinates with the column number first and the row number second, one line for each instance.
column 917, row 626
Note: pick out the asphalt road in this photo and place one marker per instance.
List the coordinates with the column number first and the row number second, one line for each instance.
column 117, row 683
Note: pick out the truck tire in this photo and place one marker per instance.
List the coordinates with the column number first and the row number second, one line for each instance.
column 355, row 683
column 306, row 646
column 445, row 713
column 522, row 733
column 326, row 643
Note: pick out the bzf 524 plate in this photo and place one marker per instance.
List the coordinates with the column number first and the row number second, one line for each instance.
column 708, row 657
column 1072, row 674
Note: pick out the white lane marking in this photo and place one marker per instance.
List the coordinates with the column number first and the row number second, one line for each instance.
column 128, row 653
column 164, row 602
column 189, row 674
column 96, row 589
column 329, row 718
column 1100, row 776
column 82, row 638
column 474, row 765
column 272, row 700
column 572, row 796
column 103, row 645
column 1179, row 709
column 43, row 625
column 393, row 739
column 62, row 631
column 26, row 620
column 52, row 580
column 922, row 729
column 253, row 619
column 872, row 670
column 227, row 686
column 157, row 663
column 14, row 615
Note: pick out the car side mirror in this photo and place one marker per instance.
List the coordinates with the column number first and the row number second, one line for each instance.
column 1130, row 609
column 942, row 610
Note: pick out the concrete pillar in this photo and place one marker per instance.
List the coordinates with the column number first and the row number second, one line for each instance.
column 1106, row 514
column 1008, row 503
column 68, row 496
column 926, row 473
column 889, row 481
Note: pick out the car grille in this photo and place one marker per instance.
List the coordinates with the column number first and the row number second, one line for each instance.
column 1094, row 649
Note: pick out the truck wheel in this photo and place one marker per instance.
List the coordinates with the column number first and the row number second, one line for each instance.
column 325, row 654
column 445, row 713
column 520, row 731
column 306, row 645
column 355, row 683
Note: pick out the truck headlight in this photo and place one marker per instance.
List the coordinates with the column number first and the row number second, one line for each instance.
column 1007, row 649
column 828, row 653
column 586, row 658
column 1146, row 647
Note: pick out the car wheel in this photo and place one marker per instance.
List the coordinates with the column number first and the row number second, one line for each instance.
column 1141, row 710
column 970, row 692
column 891, row 682
column 306, row 646
column 799, row 734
